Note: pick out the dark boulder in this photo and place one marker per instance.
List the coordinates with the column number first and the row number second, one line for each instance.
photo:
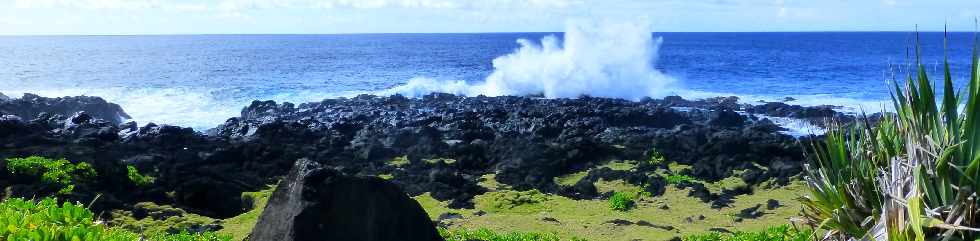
column 315, row 203
column 31, row 105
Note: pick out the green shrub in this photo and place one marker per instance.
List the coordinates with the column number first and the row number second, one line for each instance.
column 155, row 218
column 46, row 220
column 621, row 201
column 504, row 200
column 137, row 178
column 484, row 234
column 678, row 178
column 60, row 173
column 780, row 233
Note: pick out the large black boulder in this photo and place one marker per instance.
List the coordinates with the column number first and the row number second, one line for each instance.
column 315, row 203
column 30, row 105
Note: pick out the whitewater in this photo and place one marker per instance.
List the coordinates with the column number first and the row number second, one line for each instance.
column 200, row 81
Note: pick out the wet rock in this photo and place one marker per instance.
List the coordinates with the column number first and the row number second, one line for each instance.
column 550, row 219
column 314, row 203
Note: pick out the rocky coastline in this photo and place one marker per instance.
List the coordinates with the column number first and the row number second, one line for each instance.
column 448, row 143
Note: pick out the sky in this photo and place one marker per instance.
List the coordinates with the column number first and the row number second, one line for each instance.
column 46, row 17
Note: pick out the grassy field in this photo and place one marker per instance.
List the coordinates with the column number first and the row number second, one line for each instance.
column 594, row 220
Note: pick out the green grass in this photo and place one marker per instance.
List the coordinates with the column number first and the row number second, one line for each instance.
column 484, row 234
column 511, row 201
column 588, row 219
column 241, row 226
column 679, row 178
column 399, row 162
column 47, row 220
column 60, row 173
column 777, row 233
column 571, row 179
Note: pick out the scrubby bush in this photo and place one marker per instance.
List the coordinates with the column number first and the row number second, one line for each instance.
column 139, row 179
column 61, row 173
column 621, row 201
column 47, row 220
column 780, row 233
column 489, row 235
column 504, row 200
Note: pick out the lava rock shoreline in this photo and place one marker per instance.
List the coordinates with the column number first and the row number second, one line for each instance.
column 526, row 142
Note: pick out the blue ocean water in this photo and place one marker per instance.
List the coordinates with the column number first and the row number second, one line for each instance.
column 200, row 80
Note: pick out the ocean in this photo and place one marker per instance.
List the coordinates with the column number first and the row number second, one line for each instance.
column 201, row 80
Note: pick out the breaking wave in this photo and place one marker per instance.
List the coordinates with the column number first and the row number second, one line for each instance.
column 602, row 59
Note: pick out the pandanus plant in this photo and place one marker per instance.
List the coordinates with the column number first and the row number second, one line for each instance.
column 913, row 175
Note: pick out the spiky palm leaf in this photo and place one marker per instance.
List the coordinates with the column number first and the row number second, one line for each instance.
column 913, row 176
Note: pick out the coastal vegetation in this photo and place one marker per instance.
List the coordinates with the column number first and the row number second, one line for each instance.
column 60, row 174
column 49, row 220
column 913, row 176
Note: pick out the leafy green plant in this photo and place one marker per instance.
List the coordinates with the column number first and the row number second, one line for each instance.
column 621, row 201
column 47, row 220
column 484, row 234
column 139, row 179
column 779, row 233
column 60, row 173
column 914, row 176
column 678, row 178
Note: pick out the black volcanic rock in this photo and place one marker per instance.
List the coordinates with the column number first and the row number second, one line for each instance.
column 526, row 142
column 314, row 203
column 31, row 105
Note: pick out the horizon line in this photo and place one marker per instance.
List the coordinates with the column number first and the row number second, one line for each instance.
column 451, row 33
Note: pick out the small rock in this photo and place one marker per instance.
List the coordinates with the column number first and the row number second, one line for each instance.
column 675, row 238
column 772, row 204
column 701, row 217
column 479, row 213
column 664, row 207
column 689, row 220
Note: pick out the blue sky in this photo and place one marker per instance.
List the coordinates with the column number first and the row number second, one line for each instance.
column 373, row 16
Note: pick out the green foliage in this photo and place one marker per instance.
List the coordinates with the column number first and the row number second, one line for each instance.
column 914, row 176
column 158, row 219
column 137, row 178
column 489, row 235
column 679, row 178
column 656, row 158
column 60, row 173
column 780, row 233
column 46, row 220
column 504, row 200
column 621, row 201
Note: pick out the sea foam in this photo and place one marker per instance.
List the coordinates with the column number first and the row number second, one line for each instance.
column 602, row 59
